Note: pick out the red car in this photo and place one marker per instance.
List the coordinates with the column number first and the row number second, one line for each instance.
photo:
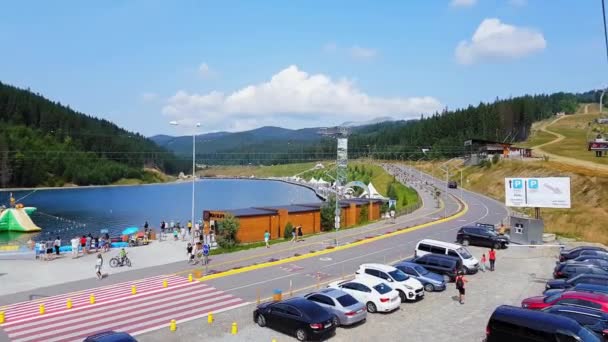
column 596, row 300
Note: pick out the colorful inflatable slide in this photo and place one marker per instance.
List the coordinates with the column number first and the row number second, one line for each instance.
column 18, row 220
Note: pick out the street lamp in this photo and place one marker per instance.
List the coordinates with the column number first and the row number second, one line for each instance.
column 198, row 124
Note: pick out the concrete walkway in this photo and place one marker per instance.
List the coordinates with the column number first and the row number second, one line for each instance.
column 26, row 280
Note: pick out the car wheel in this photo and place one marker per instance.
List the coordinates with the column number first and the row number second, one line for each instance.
column 429, row 287
column 301, row 335
column 496, row 245
column 402, row 296
column 465, row 242
column 261, row 320
column 336, row 321
column 371, row 307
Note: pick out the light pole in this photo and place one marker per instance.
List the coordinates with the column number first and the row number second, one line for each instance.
column 198, row 124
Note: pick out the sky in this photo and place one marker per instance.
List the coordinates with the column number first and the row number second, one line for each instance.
column 237, row 65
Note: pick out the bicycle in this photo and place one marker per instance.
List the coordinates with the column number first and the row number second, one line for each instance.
column 116, row 262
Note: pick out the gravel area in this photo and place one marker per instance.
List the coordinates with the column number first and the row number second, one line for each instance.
column 520, row 272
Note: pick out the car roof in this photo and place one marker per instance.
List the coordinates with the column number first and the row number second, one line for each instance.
column 439, row 243
column 380, row 267
column 440, row 256
column 533, row 319
column 111, row 336
column 331, row 292
column 590, row 287
column 407, row 263
column 597, row 296
column 302, row 303
column 368, row 281
column 595, row 248
column 589, row 275
column 577, row 309
column 578, row 263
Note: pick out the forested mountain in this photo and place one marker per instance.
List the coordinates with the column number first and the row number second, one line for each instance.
column 47, row 143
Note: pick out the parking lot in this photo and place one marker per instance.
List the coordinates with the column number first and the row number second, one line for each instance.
column 520, row 272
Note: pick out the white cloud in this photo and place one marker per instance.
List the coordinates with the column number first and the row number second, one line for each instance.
column 148, row 96
column 496, row 40
column 204, row 71
column 292, row 98
column 518, row 3
column 463, row 3
column 362, row 53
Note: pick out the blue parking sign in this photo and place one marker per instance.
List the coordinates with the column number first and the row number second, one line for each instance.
column 533, row 184
column 518, row 184
column 205, row 249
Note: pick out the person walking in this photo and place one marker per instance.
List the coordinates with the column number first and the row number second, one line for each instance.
column 492, row 255
column 87, row 243
column 189, row 227
column 75, row 242
column 57, row 244
column 189, row 252
column 482, row 263
column 300, row 233
column 267, row 238
column 98, row 264
column 460, row 281
column 83, row 243
column 294, row 235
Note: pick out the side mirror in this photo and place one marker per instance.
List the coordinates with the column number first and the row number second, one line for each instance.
column 390, row 280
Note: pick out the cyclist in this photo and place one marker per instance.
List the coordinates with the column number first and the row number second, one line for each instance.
column 122, row 255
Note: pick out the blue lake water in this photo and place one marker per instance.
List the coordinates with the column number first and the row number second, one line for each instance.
column 76, row 211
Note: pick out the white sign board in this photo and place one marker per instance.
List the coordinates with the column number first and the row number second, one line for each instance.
column 549, row 192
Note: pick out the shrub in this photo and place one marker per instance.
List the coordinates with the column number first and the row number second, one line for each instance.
column 227, row 232
column 495, row 159
column 364, row 214
column 288, row 230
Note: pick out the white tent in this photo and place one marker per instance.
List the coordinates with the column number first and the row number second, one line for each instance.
column 322, row 182
column 373, row 193
column 313, row 181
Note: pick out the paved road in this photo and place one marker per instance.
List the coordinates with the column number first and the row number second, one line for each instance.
column 154, row 305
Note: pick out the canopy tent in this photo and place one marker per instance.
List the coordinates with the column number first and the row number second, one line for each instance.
column 313, row 181
column 373, row 193
column 322, row 182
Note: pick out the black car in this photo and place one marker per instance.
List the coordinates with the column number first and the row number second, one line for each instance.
column 296, row 316
column 595, row 253
column 571, row 269
column 576, row 252
column 452, row 185
column 510, row 323
column 582, row 287
column 595, row 320
column 595, row 279
column 446, row 265
column 585, row 257
column 110, row 336
column 479, row 236
column 589, row 260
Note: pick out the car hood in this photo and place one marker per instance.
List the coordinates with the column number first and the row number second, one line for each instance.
column 557, row 283
column 412, row 282
column 534, row 301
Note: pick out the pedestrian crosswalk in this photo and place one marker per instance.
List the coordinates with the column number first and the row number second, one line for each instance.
column 116, row 308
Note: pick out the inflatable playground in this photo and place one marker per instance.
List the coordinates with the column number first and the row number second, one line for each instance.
column 18, row 219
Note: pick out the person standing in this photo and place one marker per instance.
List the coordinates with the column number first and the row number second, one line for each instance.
column 492, row 259
column 75, row 242
column 87, row 243
column 189, row 227
column 300, row 233
column 57, row 244
column 189, row 252
column 267, row 238
column 294, row 236
column 482, row 263
column 460, row 281
column 98, row 264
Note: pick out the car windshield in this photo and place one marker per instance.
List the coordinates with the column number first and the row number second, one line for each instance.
column 382, row 288
column 421, row 270
column 464, row 253
column 398, row 275
column 492, row 233
column 346, row 300
column 552, row 298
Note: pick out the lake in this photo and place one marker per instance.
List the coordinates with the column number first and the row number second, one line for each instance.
column 76, row 211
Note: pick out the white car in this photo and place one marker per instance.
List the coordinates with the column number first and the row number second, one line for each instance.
column 376, row 294
column 409, row 288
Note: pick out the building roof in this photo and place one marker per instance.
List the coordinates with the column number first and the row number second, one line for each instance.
column 293, row 208
column 251, row 212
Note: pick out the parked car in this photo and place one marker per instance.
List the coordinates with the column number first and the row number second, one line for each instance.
column 110, row 336
column 579, row 288
column 595, row 320
column 492, row 227
column 376, row 294
column 481, row 237
column 585, row 257
column 452, row 185
column 346, row 310
column 587, row 299
column 596, row 279
column 592, row 252
column 408, row 288
column 571, row 269
column 295, row 316
column 431, row 281
column 576, row 252
column 428, row 246
column 447, row 266
column 509, row 323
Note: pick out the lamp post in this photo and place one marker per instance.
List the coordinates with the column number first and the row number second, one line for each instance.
column 198, row 124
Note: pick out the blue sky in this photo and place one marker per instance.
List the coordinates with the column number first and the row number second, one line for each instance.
column 234, row 65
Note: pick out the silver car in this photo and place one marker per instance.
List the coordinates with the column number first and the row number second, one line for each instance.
column 345, row 308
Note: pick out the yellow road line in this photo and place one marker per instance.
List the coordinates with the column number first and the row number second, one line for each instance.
column 275, row 252
column 463, row 209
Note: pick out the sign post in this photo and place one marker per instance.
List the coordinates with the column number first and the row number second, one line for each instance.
column 548, row 192
column 206, row 249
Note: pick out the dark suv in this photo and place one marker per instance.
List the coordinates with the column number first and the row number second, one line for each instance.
column 446, row 265
column 509, row 323
column 595, row 320
column 576, row 252
column 478, row 236
column 452, row 185
column 595, row 279
column 571, row 269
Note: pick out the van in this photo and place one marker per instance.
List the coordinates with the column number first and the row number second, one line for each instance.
column 509, row 323
column 428, row 246
column 445, row 265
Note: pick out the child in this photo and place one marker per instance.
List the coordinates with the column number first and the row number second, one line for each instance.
column 175, row 234
column 482, row 263
column 189, row 252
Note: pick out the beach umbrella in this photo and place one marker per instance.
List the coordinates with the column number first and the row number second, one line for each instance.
column 130, row 230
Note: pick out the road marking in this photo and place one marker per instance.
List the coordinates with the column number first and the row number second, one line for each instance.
column 325, row 259
column 292, row 268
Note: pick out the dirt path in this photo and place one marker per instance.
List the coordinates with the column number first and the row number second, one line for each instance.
column 565, row 160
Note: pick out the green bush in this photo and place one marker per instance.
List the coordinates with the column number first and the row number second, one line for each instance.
column 363, row 214
column 227, row 232
column 495, row 159
column 288, row 230
column 328, row 214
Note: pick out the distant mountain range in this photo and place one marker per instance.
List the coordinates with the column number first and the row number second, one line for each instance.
column 263, row 139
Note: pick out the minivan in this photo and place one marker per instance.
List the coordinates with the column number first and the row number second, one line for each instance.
column 509, row 323
column 427, row 246
column 447, row 266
